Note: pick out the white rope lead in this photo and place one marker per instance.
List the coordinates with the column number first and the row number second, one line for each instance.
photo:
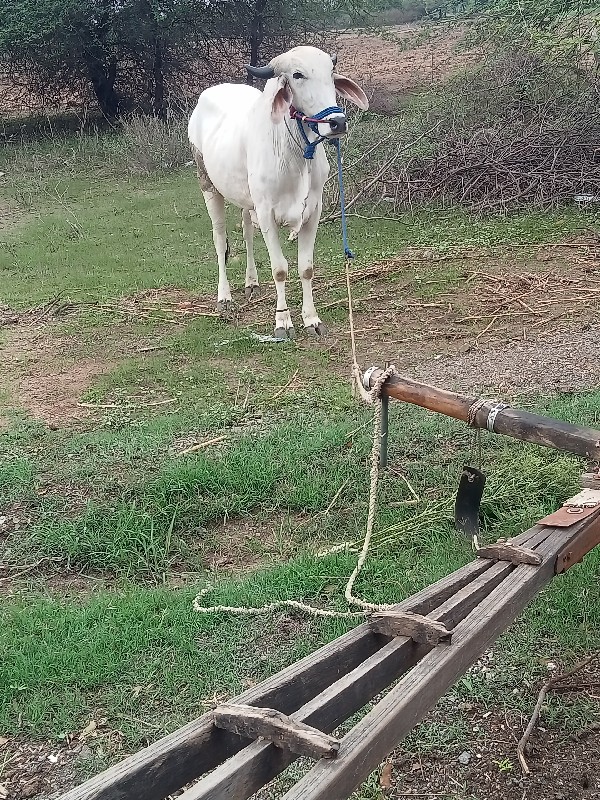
column 372, row 397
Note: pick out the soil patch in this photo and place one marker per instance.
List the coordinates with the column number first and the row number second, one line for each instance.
column 523, row 320
column 245, row 544
column 9, row 214
column 37, row 769
column 47, row 377
column 485, row 765
column 404, row 60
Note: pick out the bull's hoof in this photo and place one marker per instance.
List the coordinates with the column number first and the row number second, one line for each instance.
column 316, row 330
column 252, row 292
column 227, row 310
column 284, row 333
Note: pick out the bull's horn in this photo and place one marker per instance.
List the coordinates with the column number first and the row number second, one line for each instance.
column 334, row 58
column 261, row 72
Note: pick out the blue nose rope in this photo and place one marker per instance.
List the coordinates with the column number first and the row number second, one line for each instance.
column 309, row 152
column 347, row 252
column 313, row 124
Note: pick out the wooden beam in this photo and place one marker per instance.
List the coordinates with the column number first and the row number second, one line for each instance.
column 580, row 545
column 198, row 747
column 415, row 626
column 373, row 738
column 255, row 765
column 278, row 728
column 522, row 425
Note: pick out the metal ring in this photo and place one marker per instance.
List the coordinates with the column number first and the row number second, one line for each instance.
column 367, row 377
column 491, row 418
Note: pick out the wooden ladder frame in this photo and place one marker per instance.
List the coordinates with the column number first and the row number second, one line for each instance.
column 428, row 642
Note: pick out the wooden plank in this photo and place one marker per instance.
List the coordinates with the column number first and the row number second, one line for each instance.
column 257, row 764
column 381, row 729
column 507, row 551
column 522, row 425
column 415, row 626
column 590, row 480
column 278, row 728
column 184, row 755
column 579, row 546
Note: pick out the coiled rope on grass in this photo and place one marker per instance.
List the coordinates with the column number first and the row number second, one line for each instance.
column 372, row 397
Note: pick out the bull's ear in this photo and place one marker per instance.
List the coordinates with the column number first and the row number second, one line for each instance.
column 282, row 100
column 351, row 91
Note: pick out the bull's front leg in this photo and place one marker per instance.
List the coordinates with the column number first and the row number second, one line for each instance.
column 284, row 326
column 306, row 247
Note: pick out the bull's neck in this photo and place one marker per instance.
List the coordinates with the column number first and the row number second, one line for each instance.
column 295, row 143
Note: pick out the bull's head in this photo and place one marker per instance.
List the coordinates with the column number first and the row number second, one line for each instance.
column 304, row 77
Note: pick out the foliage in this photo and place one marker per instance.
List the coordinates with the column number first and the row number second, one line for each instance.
column 146, row 55
column 519, row 130
column 558, row 28
column 120, row 52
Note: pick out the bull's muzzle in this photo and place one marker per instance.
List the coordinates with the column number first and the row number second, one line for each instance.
column 338, row 124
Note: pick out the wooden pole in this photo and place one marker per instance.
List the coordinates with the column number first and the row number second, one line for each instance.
column 493, row 416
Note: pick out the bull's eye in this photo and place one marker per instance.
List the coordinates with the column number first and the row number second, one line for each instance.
column 298, row 75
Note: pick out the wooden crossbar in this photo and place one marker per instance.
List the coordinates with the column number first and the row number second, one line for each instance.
column 278, row 728
column 314, row 696
column 507, row 551
column 496, row 417
column 415, row 626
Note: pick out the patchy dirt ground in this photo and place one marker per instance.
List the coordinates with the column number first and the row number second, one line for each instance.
column 46, row 376
column 404, row 60
column 9, row 214
column 512, row 322
column 515, row 322
column 487, row 768
column 484, row 764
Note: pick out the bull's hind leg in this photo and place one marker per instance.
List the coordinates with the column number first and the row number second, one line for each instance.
column 252, row 287
column 215, row 205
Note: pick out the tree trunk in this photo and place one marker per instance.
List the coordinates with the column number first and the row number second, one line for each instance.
column 256, row 35
column 159, row 78
column 102, row 78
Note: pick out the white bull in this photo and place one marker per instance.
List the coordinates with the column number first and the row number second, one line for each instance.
column 250, row 147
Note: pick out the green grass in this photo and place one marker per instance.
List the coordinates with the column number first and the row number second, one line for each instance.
column 91, row 233
column 115, row 498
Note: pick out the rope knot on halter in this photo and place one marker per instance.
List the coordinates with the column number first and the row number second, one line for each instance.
column 313, row 124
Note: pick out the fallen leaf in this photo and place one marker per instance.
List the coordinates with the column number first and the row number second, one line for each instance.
column 385, row 779
column 89, row 730
column 3, row 791
column 3, row 741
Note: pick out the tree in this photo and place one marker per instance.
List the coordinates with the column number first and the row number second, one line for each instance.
column 130, row 54
column 553, row 28
column 121, row 50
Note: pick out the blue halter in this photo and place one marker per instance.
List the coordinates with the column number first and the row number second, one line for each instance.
column 309, row 152
column 313, row 122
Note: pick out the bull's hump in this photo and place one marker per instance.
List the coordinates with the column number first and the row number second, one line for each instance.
column 237, row 96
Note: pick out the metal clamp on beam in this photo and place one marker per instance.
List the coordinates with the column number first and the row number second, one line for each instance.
column 267, row 723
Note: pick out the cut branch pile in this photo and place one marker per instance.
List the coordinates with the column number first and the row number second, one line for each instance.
column 519, row 132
